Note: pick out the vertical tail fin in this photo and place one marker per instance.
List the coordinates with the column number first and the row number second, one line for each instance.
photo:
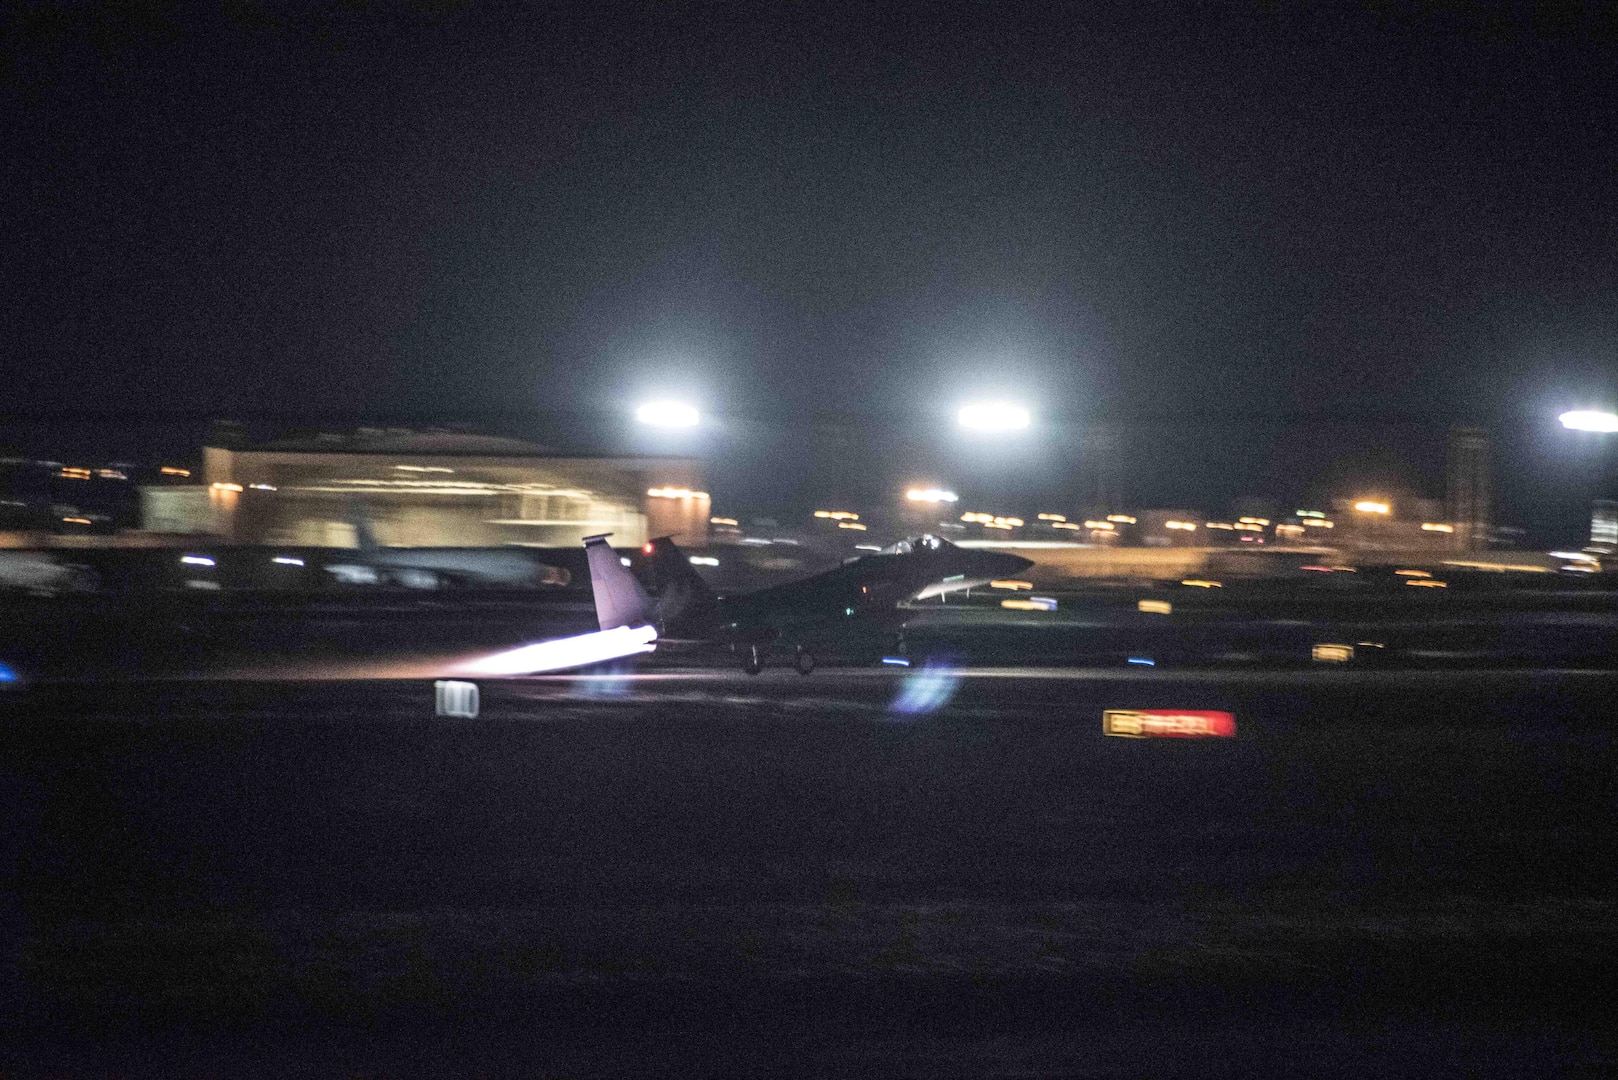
column 620, row 600
column 684, row 599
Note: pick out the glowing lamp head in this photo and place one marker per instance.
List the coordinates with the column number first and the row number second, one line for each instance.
column 1589, row 420
column 993, row 416
column 668, row 414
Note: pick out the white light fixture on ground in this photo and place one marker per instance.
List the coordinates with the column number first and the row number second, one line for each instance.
column 1589, row 420
column 993, row 416
column 668, row 414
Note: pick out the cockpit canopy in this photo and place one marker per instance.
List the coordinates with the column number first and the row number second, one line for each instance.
column 911, row 544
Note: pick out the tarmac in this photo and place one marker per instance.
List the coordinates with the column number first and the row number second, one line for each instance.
column 943, row 871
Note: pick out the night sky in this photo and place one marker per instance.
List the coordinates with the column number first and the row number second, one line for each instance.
column 1252, row 244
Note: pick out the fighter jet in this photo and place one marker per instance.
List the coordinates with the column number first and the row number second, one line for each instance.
column 813, row 617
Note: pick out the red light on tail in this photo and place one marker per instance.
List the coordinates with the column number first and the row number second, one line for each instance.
column 647, row 549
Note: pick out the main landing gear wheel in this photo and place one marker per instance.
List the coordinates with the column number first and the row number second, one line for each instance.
column 804, row 661
column 753, row 662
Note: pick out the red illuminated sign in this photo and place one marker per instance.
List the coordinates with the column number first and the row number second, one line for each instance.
column 1168, row 724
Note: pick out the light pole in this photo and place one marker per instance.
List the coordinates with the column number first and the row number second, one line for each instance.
column 668, row 414
column 998, row 417
column 1603, row 513
column 1590, row 420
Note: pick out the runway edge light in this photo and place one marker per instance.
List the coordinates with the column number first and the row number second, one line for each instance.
column 1168, row 724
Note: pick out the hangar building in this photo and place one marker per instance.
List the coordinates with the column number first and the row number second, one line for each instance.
column 430, row 489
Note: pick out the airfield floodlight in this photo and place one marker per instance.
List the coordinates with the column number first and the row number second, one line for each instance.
column 1589, row 420
column 668, row 414
column 993, row 416
column 1367, row 506
column 931, row 495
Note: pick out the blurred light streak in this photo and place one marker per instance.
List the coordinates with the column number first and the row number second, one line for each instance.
column 1053, row 517
column 1122, row 519
column 1428, row 584
column 1413, row 573
column 1368, row 506
column 1499, row 567
column 896, row 661
column 1319, row 523
column 592, row 648
column 226, row 487
column 851, row 525
column 1437, row 527
column 931, row 495
column 1155, row 607
column 196, row 560
column 1187, row 526
column 287, row 560
column 675, row 493
column 668, row 414
column 723, row 521
column 1143, row 661
column 926, row 690
column 170, row 470
column 1008, row 583
column 1033, row 603
column 1168, row 723
column 993, row 416
column 1331, row 653
column 1589, row 420
column 1201, row 583
column 702, row 560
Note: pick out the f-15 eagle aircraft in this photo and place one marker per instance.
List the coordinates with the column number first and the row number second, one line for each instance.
column 811, row 617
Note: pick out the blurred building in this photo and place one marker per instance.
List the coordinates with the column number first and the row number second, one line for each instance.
column 1604, row 526
column 429, row 489
column 1467, row 487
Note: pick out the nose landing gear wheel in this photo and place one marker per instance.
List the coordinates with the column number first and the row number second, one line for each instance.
column 804, row 661
column 753, row 662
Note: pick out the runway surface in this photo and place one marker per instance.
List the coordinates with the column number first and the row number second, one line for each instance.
column 929, row 872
